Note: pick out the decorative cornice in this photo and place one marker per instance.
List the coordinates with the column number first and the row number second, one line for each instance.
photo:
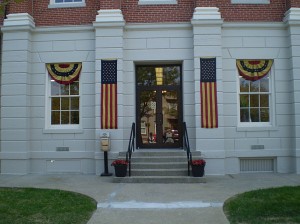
column 292, row 16
column 109, row 17
column 19, row 20
column 207, row 15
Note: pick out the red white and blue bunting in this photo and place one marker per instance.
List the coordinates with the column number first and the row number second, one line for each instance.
column 64, row 73
column 253, row 70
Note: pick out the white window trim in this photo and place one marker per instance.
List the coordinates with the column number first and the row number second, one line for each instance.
column 157, row 2
column 258, row 126
column 65, row 128
column 262, row 2
column 52, row 4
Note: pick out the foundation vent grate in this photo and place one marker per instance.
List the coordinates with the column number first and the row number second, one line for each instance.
column 248, row 165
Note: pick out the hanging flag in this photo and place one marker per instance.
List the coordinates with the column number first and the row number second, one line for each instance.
column 109, row 115
column 253, row 70
column 208, row 88
column 64, row 73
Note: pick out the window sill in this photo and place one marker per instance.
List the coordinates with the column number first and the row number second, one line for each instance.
column 157, row 2
column 66, row 5
column 256, row 128
column 62, row 131
column 264, row 2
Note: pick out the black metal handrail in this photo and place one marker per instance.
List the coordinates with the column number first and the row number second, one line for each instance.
column 186, row 147
column 131, row 147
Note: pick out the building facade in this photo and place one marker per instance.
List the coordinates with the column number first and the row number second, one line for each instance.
column 228, row 68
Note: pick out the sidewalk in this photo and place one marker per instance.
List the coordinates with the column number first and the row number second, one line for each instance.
column 155, row 203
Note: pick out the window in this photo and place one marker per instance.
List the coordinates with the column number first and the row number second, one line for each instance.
column 66, row 3
column 255, row 92
column 255, row 100
column 63, row 98
column 64, row 103
column 143, row 128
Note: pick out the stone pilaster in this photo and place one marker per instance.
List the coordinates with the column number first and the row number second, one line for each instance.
column 292, row 19
column 109, row 32
column 15, row 93
column 207, row 24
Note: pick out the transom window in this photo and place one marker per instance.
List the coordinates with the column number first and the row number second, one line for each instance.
column 64, row 103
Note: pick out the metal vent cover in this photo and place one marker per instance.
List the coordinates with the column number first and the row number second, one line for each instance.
column 255, row 165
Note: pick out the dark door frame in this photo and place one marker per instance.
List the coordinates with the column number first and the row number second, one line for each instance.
column 159, row 89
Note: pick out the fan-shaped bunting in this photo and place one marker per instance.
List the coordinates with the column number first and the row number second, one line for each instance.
column 64, row 73
column 254, row 69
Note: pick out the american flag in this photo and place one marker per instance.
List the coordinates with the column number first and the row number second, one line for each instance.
column 208, row 88
column 109, row 115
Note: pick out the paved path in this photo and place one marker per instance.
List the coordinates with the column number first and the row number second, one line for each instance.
column 155, row 203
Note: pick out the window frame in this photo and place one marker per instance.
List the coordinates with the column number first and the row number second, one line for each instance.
column 157, row 2
column 259, row 2
column 64, row 128
column 253, row 125
column 53, row 4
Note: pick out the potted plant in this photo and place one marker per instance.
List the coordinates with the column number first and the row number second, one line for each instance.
column 198, row 167
column 120, row 167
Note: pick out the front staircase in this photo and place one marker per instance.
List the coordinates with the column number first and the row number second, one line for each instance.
column 159, row 166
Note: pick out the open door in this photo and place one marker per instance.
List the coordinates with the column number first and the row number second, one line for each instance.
column 159, row 106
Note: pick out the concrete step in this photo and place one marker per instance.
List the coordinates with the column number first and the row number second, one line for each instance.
column 152, row 165
column 163, row 153
column 157, row 159
column 159, row 166
column 159, row 172
column 159, row 179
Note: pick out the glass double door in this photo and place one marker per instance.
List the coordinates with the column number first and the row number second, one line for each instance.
column 159, row 106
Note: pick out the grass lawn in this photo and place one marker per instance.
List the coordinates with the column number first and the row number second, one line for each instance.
column 274, row 205
column 30, row 205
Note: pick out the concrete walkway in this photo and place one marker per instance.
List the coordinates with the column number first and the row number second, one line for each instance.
column 155, row 203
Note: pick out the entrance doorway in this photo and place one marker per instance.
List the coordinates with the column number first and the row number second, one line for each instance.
column 159, row 106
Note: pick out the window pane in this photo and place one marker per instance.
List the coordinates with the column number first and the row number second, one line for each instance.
column 264, row 84
column 172, row 75
column 264, row 100
column 74, row 88
column 254, row 100
column 146, row 76
column 65, row 117
column 55, row 117
column 55, row 104
column 64, row 89
column 254, row 86
column 244, row 115
column 254, row 114
column 264, row 115
column 58, row 1
column 244, row 85
column 75, row 117
column 244, row 101
column 54, row 88
column 65, row 103
column 74, row 103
